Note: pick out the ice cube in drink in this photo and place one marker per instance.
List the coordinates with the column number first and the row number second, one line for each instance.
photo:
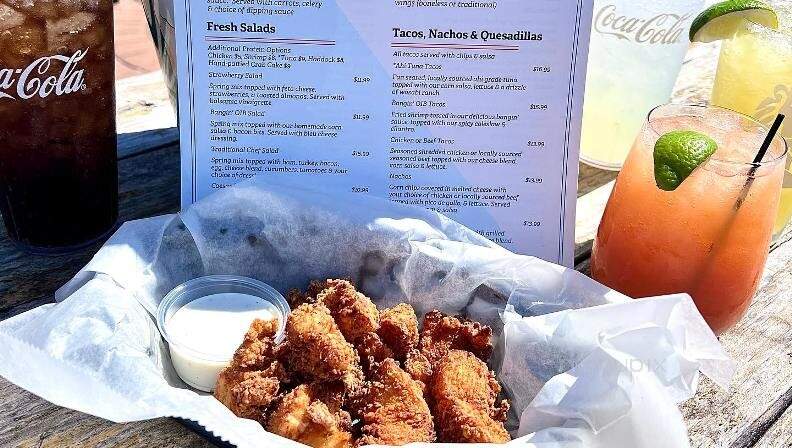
column 58, row 175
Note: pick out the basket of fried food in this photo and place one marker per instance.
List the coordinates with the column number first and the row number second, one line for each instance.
column 349, row 374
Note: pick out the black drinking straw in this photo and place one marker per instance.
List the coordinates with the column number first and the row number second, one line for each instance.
column 758, row 160
column 769, row 139
column 718, row 241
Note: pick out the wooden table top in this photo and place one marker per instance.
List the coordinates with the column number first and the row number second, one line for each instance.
column 755, row 411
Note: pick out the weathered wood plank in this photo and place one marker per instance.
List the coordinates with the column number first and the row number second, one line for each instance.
column 146, row 119
column 780, row 434
column 760, row 344
column 591, row 178
column 758, row 429
column 27, row 421
column 143, row 106
column 133, row 143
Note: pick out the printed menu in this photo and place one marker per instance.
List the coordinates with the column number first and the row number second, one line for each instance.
column 470, row 108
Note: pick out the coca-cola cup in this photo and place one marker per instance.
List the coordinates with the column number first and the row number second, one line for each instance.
column 58, row 172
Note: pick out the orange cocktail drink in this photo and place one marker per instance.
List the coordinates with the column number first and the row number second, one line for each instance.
column 710, row 236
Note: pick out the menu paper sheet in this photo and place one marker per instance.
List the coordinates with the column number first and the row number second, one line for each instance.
column 469, row 108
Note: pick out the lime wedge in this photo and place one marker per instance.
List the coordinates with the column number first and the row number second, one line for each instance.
column 677, row 154
column 721, row 20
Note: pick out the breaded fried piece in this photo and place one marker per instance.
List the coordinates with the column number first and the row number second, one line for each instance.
column 399, row 329
column 317, row 286
column 442, row 333
column 312, row 414
column 257, row 348
column 252, row 380
column 317, row 350
column 394, row 411
column 295, row 297
column 419, row 368
column 463, row 394
column 354, row 313
column 248, row 394
column 372, row 350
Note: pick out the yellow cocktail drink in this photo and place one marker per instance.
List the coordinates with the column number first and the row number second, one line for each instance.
column 785, row 208
column 695, row 239
column 755, row 78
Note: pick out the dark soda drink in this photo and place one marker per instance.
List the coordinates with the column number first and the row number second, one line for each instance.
column 58, row 169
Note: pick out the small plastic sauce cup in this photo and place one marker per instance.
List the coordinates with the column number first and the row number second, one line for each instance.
column 204, row 320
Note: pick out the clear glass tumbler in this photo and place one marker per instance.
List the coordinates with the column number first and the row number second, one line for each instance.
column 755, row 78
column 58, row 170
column 709, row 237
column 636, row 52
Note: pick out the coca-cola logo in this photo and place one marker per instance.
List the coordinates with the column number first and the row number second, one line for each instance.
column 36, row 79
column 662, row 29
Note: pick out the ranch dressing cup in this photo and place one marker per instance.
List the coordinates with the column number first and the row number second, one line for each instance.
column 205, row 319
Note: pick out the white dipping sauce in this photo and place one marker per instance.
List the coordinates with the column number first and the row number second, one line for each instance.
column 205, row 333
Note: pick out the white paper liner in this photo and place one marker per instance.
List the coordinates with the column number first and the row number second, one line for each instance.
column 582, row 364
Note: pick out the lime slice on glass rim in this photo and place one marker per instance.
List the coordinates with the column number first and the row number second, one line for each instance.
column 721, row 20
column 677, row 154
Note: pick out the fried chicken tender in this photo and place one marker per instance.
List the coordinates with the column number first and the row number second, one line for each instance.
column 312, row 414
column 251, row 382
column 335, row 334
column 295, row 297
column 394, row 411
column 354, row 313
column 442, row 333
column 257, row 348
column 248, row 394
column 316, row 349
column 372, row 350
column 463, row 394
column 399, row 329
column 419, row 368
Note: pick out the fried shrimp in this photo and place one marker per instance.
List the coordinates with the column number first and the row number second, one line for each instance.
column 418, row 367
column 295, row 297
